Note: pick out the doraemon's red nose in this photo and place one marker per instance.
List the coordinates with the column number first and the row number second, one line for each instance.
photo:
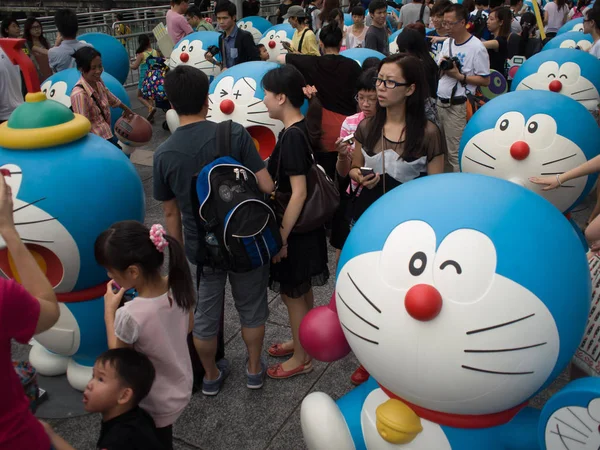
column 519, row 150
column 272, row 44
column 423, row 302
column 555, row 86
column 227, row 106
column 184, row 57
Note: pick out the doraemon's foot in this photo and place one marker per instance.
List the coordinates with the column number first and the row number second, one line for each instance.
column 79, row 376
column 47, row 363
column 323, row 424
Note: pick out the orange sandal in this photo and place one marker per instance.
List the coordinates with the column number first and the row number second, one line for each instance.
column 277, row 351
column 277, row 371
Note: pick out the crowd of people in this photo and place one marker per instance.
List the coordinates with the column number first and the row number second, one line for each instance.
column 371, row 128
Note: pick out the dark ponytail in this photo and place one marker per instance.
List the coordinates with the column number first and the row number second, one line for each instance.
column 331, row 35
column 128, row 243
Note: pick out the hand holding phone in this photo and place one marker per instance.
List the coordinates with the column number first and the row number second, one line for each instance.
column 349, row 139
column 286, row 45
column 366, row 171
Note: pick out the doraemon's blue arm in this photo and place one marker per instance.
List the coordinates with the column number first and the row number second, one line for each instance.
column 351, row 405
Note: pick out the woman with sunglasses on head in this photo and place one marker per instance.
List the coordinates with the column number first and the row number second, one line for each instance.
column 399, row 143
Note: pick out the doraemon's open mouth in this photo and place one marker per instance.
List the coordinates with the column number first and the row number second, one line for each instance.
column 264, row 139
column 45, row 258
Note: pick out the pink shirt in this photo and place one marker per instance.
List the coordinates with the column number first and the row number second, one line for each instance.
column 349, row 127
column 177, row 26
column 159, row 330
column 19, row 313
column 82, row 102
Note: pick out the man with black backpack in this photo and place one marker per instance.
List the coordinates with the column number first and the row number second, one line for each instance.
column 414, row 12
column 177, row 163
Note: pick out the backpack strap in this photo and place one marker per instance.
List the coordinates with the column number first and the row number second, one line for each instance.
column 301, row 40
column 422, row 12
column 223, row 136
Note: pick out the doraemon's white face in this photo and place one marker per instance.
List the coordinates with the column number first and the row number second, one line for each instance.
column 565, row 79
column 51, row 244
column 440, row 328
column 57, row 92
column 236, row 100
column 249, row 27
column 191, row 53
column 574, row 428
column 272, row 42
column 577, row 27
column 516, row 149
column 582, row 44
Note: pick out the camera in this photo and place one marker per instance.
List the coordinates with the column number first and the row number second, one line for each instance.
column 213, row 50
column 447, row 64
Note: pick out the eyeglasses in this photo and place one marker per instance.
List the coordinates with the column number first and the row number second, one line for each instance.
column 365, row 100
column 449, row 24
column 389, row 84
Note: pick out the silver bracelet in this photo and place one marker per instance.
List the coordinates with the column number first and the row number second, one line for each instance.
column 558, row 180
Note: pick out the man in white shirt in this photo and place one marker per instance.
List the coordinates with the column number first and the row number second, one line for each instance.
column 10, row 87
column 591, row 25
column 454, row 82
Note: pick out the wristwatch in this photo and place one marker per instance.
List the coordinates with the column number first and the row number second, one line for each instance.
column 464, row 80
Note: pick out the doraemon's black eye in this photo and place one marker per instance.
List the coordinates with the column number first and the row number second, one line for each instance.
column 504, row 125
column 452, row 263
column 417, row 264
column 183, row 47
column 532, row 127
column 191, row 49
column 563, row 76
column 223, row 92
column 551, row 75
column 52, row 92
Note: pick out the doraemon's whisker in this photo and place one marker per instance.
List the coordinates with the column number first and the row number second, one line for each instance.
column 557, row 160
column 262, row 123
column 481, row 164
column 551, row 173
column 208, row 117
column 493, row 327
column 584, row 99
column 583, row 90
column 363, row 294
column 571, row 427
column 36, row 240
column 566, row 186
column 528, row 87
column 557, row 432
column 359, row 336
column 356, row 314
column 577, row 417
column 28, row 204
column 210, row 100
column 501, row 350
column 36, row 221
column 255, row 103
column 483, row 151
column 257, row 112
column 251, row 87
column 477, row 369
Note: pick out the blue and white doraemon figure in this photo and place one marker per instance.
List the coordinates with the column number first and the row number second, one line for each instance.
column 360, row 54
column 572, row 25
column 191, row 49
column 573, row 73
column 392, row 41
column 570, row 39
column 114, row 55
column 274, row 36
column 525, row 134
column 458, row 325
column 68, row 186
column 59, row 86
column 255, row 25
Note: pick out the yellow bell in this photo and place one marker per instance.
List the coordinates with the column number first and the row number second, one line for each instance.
column 397, row 423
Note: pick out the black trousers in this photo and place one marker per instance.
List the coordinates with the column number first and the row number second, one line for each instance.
column 165, row 436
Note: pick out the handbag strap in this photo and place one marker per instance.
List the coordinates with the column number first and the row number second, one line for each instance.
column 301, row 40
column 95, row 101
column 306, row 140
column 383, row 156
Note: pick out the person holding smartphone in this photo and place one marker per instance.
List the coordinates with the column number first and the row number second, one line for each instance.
column 304, row 40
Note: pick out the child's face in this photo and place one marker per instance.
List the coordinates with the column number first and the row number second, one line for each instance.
column 358, row 20
column 105, row 390
column 367, row 102
column 264, row 55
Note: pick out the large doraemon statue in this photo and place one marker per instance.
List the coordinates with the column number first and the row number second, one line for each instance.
column 68, row 186
column 191, row 50
column 573, row 73
column 524, row 134
column 115, row 58
column 572, row 25
column 459, row 326
column 392, row 41
column 360, row 54
column 59, row 86
column 255, row 25
column 274, row 36
column 570, row 39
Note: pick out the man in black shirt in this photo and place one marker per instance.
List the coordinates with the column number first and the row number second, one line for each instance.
column 377, row 37
column 122, row 378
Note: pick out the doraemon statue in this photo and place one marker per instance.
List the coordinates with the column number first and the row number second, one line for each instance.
column 570, row 39
column 59, row 86
column 115, row 58
column 191, row 50
column 458, row 325
column 573, row 73
column 348, row 22
column 360, row 54
column 256, row 25
column 274, row 36
column 392, row 41
column 525, row 134
column 572, row 25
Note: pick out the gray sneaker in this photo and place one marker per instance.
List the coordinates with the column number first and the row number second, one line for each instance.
column 256, row 381
column 213, row 387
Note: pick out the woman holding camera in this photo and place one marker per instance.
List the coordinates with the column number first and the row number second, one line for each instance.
column 398, row 144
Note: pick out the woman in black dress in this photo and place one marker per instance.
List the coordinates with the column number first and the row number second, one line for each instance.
column 302, row 262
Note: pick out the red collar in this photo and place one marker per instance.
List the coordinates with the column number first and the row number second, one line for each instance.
column 461, row 420
column 83, row 295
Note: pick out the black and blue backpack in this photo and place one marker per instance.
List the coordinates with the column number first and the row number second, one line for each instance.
column 241, row 230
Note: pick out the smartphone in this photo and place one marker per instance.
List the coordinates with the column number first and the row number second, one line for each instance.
column 366, row 171
column 286, row 45
column 349, row 139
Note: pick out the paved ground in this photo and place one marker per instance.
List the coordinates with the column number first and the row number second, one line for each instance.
column 239, row 418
